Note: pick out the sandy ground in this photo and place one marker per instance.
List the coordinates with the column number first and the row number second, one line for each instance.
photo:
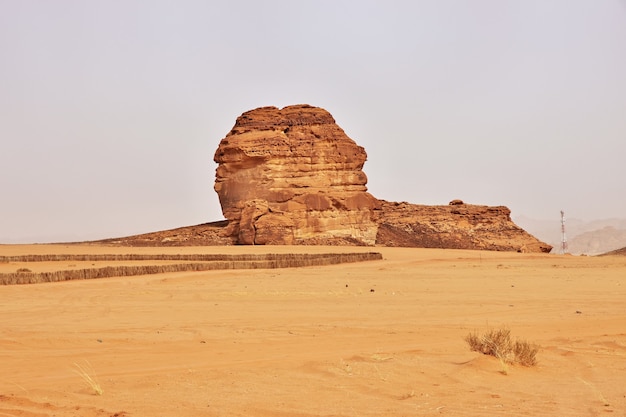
column 368, row 339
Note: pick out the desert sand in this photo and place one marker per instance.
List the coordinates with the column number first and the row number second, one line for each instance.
column 363, row 339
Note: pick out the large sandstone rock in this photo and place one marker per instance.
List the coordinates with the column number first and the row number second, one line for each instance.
column 292, row 176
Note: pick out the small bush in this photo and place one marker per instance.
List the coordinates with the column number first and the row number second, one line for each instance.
column 498, row 343
column 525, row 353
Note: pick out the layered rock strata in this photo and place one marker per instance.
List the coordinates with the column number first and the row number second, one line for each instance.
column 292, row 176
column 454, row 226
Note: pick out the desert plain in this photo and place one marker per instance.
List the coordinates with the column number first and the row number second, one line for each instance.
column 375, row 338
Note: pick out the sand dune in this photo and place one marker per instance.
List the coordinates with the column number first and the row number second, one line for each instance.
column 371, row 338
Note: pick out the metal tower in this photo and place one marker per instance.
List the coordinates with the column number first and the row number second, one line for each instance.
column 563, row 237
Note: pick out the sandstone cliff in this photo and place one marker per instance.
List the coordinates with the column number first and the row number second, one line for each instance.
column 292, row 176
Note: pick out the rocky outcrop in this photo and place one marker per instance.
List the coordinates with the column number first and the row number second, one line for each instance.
column 455, row 226
column 618, row 252
column 207, row 234
column 292, row 176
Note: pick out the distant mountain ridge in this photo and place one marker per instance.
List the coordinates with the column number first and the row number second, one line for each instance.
column 583, row 237
column 620, row 252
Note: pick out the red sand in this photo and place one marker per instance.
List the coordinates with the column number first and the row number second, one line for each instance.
column 367, row 339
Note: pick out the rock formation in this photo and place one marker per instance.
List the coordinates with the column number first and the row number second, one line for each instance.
column 620, row 252
column 455, row 226
column 292, row 176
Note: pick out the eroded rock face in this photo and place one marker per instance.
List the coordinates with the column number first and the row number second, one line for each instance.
column 292, row 176
column 455, row 226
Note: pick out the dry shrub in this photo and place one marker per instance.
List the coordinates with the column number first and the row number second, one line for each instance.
column 498, row 343
column 525, row 353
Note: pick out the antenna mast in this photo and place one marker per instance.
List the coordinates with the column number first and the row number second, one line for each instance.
column 563, row 237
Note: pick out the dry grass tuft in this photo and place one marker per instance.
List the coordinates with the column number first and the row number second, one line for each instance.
column 498, row 343
column 525, row 353
column 86, row 372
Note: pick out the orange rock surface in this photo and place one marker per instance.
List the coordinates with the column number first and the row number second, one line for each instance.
column 293, row 176
column 454, row 226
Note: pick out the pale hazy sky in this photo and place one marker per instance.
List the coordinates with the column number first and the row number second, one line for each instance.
column 111, row 110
